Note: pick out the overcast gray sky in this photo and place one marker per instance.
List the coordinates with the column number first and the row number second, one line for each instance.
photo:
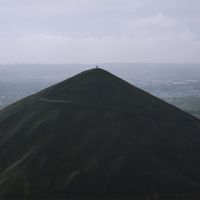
column 91, row 31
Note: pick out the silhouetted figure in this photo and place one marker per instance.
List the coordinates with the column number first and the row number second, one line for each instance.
column 97, row 67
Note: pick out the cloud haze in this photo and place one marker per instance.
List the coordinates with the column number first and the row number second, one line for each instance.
column 91, row 31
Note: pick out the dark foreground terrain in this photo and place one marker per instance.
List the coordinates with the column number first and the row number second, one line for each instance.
column 95, row 136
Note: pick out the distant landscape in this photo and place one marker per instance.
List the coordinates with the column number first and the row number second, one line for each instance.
column 178, row 84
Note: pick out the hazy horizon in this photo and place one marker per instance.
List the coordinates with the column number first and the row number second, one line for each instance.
column 99, row 63
column 107, row 31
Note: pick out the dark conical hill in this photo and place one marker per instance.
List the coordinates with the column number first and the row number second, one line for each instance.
column 96, row 87
column 96, row 135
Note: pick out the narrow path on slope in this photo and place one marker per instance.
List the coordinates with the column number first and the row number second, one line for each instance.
column 65, row 101
column 108, row 107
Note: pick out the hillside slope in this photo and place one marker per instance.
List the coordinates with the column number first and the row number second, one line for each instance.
column 95, row 135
